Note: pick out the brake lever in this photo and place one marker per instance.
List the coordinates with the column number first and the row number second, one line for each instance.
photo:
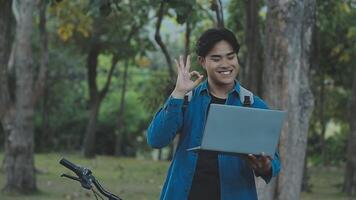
column 70, row 177
column 86, row 183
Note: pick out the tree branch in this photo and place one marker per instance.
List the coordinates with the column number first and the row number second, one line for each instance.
column 159, row 39
column 103, row 92
column 188, row 29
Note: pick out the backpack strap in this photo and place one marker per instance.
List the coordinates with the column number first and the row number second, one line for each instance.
column 246, row 97
column 187, row 98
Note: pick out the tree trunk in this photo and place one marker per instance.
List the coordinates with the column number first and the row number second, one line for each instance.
column 94, row 101
column 19, row 158
column 5, row 49
column 90, row 133
column 216, row 6
column 286, row 77
column 119, row 134
column 252, row 76
column 350, row 172
column 6, row 25
column 96, row 97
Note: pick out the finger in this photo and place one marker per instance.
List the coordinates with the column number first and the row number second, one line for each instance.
column 253, row 159
column 265, row 157
column 181, row 62
column 187, row 65
column 194, row 73
column 178, row 66
column 266, row 160
column 251, row 163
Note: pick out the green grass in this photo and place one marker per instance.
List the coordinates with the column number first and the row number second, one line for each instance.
column 326, row 184
column 129, row 178
column 139, row 179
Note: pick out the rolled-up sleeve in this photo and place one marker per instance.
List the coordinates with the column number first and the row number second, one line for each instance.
column 166, row 123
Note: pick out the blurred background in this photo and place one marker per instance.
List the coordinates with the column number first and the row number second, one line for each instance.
column 82, row 79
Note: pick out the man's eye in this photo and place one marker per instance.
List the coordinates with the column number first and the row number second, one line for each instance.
column 231, row 57
column 215, row 60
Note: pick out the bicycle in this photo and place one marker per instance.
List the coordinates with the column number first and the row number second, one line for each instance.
column 86, row 179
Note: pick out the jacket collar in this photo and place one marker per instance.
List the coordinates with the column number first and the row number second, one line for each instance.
column 204, row 87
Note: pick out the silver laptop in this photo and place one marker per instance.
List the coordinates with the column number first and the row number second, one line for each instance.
column 242, row 130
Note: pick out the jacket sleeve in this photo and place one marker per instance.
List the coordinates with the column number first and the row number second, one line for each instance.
column 165, row 124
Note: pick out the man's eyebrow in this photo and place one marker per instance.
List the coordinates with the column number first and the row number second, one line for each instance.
column 219, row 56
column 215, row 56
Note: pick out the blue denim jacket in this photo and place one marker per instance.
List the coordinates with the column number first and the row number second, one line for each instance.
column 237, row 179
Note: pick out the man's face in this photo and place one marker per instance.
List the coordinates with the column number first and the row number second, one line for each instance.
column 221, row 64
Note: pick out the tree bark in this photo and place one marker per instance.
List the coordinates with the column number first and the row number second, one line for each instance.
column 5, row 49
column 252, row 76
column 19, row 159
column 286, row 77
column 349, row 186
column 6, row 25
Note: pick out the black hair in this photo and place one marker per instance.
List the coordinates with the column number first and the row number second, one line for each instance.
column 212, row 36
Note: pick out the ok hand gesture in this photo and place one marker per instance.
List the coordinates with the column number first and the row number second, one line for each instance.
column 184, row 82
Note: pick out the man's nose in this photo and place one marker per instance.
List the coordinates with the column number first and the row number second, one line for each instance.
column 225, row 62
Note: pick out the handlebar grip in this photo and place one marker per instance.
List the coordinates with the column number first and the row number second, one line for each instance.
column 66, row 163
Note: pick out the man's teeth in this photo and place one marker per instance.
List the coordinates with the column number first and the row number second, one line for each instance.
column 225, row 72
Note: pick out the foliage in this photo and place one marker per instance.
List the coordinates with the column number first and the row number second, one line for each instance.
column 332, row 70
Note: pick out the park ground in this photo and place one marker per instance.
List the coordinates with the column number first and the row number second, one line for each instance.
column 139, row 179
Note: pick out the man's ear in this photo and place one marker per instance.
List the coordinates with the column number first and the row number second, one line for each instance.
column 201, row 61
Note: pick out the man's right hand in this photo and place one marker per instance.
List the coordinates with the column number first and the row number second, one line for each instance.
column 184, row 82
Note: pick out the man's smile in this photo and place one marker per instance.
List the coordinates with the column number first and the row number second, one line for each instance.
column 225, row 72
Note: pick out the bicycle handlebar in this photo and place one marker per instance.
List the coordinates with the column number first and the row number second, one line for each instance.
column 86, row 178
column 66, row 163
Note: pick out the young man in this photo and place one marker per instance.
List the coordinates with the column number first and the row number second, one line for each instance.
column 205, row 175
